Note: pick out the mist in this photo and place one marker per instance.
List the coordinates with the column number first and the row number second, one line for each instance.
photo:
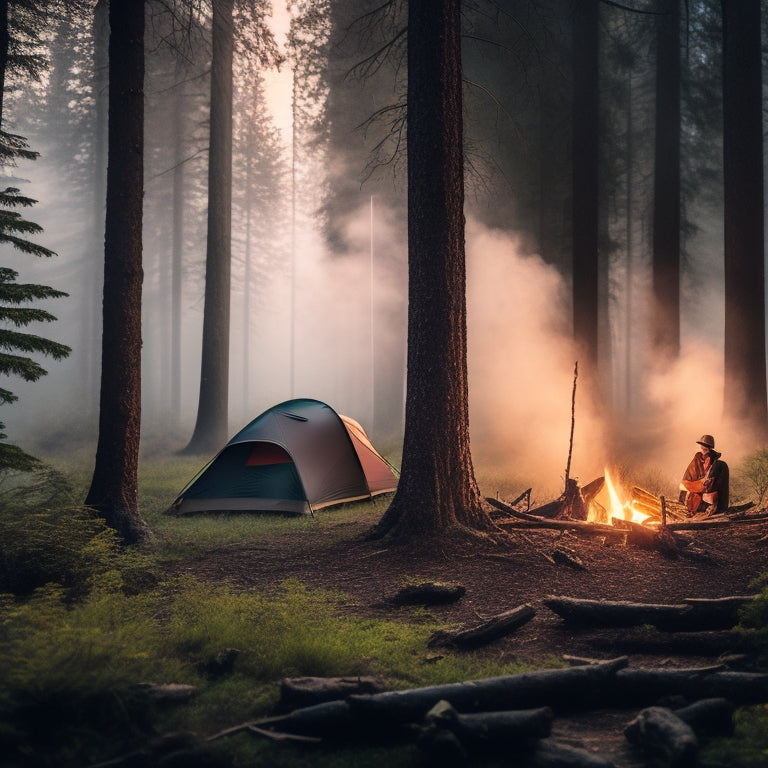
column 325, row 317
column 334, row 328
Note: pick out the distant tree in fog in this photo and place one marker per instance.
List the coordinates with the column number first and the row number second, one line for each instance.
column 176, row 128
column 437, row 492
column 212, row 425
column 260, row 217
column 114, row 486
column 746, row 403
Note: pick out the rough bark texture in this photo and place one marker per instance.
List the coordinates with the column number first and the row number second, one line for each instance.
column 745, row 379
column 4, row 43
column 437, row 488
column 666, row 194
column 114, row 486
column 585, row 181
column 212, row 411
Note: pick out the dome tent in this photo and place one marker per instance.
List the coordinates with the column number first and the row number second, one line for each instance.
column 297, row 457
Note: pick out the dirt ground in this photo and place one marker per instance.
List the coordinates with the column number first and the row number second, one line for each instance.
column 719, row 562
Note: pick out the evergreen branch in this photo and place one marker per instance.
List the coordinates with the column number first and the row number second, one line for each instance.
column 6, row 397
column 21, row 317
column 27, row 369
column 29, row 342
column 25, row 246
column 12, row 197
column 9, row 220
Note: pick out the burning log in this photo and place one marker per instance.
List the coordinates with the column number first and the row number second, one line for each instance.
column 691, row 615
column 499, row 626
column 660, row 732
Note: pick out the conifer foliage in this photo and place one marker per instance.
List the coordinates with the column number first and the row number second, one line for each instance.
column 15, row 298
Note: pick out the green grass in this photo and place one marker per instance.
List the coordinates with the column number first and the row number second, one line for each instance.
column 86, row 621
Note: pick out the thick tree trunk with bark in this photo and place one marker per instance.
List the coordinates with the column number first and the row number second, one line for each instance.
column 4, row 43
column 666, row 194
column 585, row 180
column 745, row 378
column 114, row 486
column 437, row 488
column 211, row 428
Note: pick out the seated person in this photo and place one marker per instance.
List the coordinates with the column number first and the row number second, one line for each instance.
column 704, row 486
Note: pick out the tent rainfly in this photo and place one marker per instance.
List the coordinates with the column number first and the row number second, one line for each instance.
column 297, row 457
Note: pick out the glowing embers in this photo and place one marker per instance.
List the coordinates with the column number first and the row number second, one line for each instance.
column 614, row 503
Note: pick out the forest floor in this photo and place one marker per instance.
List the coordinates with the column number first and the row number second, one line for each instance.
column 502, row 575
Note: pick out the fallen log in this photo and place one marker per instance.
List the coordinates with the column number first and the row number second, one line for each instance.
column 299, row 692
column 649, row 686
column 331, row 719
column 641, row 640
column 498, row 626
column 709, row 717
column 566, row 556
column 486, row 730
column 694, row 614
column 570, row 504
column 661, row 733
column 511, row 511
column 429, row 593
column 581, row 527
column 658, row 539
column 718, row 522
column 558, row 688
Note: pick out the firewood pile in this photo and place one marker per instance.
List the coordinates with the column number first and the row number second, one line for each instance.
column 579, row 510
column 669, row 712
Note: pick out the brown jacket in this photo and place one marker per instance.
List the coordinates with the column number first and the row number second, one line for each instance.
column 710, row 480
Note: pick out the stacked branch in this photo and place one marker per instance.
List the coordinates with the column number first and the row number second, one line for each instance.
column 693, row 614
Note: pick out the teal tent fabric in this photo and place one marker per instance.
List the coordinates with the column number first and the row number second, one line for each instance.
column 296, row 457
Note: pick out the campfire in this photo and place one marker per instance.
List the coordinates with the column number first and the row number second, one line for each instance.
column 614, row 502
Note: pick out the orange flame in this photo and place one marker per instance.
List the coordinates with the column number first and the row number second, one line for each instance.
column 623, row 510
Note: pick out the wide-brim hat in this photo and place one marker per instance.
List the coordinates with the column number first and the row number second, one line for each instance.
column 707, row 440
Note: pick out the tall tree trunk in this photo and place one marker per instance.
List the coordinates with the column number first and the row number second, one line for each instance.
column 437, row 489
column 177, row 250
column 4, row 42
column 585, row 181
column 210, row 432
column 93, row 277
column 745, row 378
column 114, row 486
column 630, row 277
column 666, row 196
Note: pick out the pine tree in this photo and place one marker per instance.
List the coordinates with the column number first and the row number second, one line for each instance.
column 14, row 231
